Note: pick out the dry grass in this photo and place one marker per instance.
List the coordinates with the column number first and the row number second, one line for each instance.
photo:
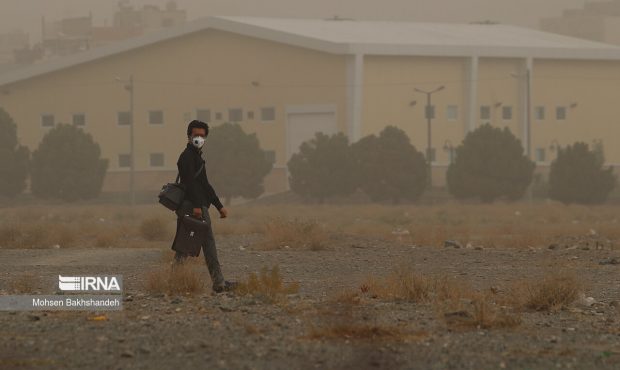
column 25, row 283
column 513, row 225
column 293, row 233
column 268, row 285
column 154, row 229
column 455, row 302
column 175, row 279
column 480, row 311
column 404, row 284
column 551, row 292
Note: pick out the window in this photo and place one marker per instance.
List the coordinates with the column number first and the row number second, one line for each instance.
column 203, row 115
column 507, row 113
column 156, row 117
column 235, row 115
column 540, row 154
column 124, row 160
column 539, row 113
column 430, row 155
column 157, row 159
column 218, row 116
column 250, row 114
column 47, row 120
column 270, row 155
column 124, row 118
column 79, row 119
column 268, row 114
column 560, row 113
column 452, row 113
column 485, row 112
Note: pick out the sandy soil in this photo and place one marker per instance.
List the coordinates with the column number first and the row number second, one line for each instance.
column 227, row 331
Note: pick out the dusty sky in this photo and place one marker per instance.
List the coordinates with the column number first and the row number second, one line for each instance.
column 26, row 14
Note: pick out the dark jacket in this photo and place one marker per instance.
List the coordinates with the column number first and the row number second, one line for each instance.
column 198, row 191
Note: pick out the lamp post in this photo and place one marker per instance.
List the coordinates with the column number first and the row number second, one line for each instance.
column 528, row 109
column 430, row 114
column 129, row 86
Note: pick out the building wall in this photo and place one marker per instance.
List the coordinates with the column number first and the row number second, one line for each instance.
column 592, row 89
column 389, row 83
column 206, row 70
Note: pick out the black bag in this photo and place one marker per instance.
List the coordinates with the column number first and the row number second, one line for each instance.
column 172, row 194
column 191, row 234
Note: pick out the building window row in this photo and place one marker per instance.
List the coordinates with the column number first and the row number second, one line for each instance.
column 560, row 113
column 155, row 160
column 236, row 115
column 49, row 120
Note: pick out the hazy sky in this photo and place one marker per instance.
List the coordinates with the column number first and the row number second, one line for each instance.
column 26, row 14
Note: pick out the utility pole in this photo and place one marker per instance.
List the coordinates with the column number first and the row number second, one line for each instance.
column 528, row 110
column 430, row 114
column 129, row 86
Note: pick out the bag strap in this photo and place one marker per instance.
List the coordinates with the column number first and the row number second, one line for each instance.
column 195, row 175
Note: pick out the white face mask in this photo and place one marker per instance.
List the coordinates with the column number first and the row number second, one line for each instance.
column 198, row 141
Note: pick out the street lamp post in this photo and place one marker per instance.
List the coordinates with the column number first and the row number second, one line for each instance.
column 129, row 86
column 430, row 114
column 528, row 110
column 447, row 146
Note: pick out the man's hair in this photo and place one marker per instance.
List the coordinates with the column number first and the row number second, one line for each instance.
column 197, row 124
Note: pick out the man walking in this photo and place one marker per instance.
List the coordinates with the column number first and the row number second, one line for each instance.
column 199, row 195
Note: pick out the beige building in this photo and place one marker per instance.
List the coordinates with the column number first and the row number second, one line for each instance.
column 285, row 79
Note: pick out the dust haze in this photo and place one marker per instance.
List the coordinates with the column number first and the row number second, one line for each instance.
column 282, row 184
column 26, row 14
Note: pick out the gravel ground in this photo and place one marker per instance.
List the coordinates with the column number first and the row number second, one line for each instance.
column 227, row 331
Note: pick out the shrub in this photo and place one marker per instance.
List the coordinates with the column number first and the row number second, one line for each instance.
column 490, row 164
column 14, row 158
column 322, row 168
column 67, row 165
column 240, row 165
column 577, row 175
column 389, row 167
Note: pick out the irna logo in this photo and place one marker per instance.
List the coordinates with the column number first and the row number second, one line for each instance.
column 88, row 283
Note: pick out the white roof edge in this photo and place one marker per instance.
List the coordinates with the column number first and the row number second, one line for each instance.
column 236, row 25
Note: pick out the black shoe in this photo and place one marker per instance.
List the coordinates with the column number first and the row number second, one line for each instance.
column 227, row 287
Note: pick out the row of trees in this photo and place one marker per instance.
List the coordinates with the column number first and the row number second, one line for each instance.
column 66, row 165
column 488, row 165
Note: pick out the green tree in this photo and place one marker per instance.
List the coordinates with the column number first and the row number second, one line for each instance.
column 490, row 164
column 322, row 168
column 67, row 165
column 577, row 175
column 239, row 164
column 14, row 158
column 389, row 167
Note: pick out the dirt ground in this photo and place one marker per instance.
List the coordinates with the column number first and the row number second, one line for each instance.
column 228, row 331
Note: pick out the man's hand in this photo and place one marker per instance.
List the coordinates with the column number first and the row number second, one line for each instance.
column 197, row 212
column 223, row 212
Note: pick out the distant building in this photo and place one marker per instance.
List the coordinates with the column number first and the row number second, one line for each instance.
column 286, row 79
column 73, row 35
column 11, row 42
column 597, row 21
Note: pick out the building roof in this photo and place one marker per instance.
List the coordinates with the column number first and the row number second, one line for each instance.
column 341, row 36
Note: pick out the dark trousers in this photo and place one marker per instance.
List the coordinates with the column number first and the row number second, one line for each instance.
column 209, row 251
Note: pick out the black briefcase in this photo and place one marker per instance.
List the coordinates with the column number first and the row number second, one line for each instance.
column 191, row 234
